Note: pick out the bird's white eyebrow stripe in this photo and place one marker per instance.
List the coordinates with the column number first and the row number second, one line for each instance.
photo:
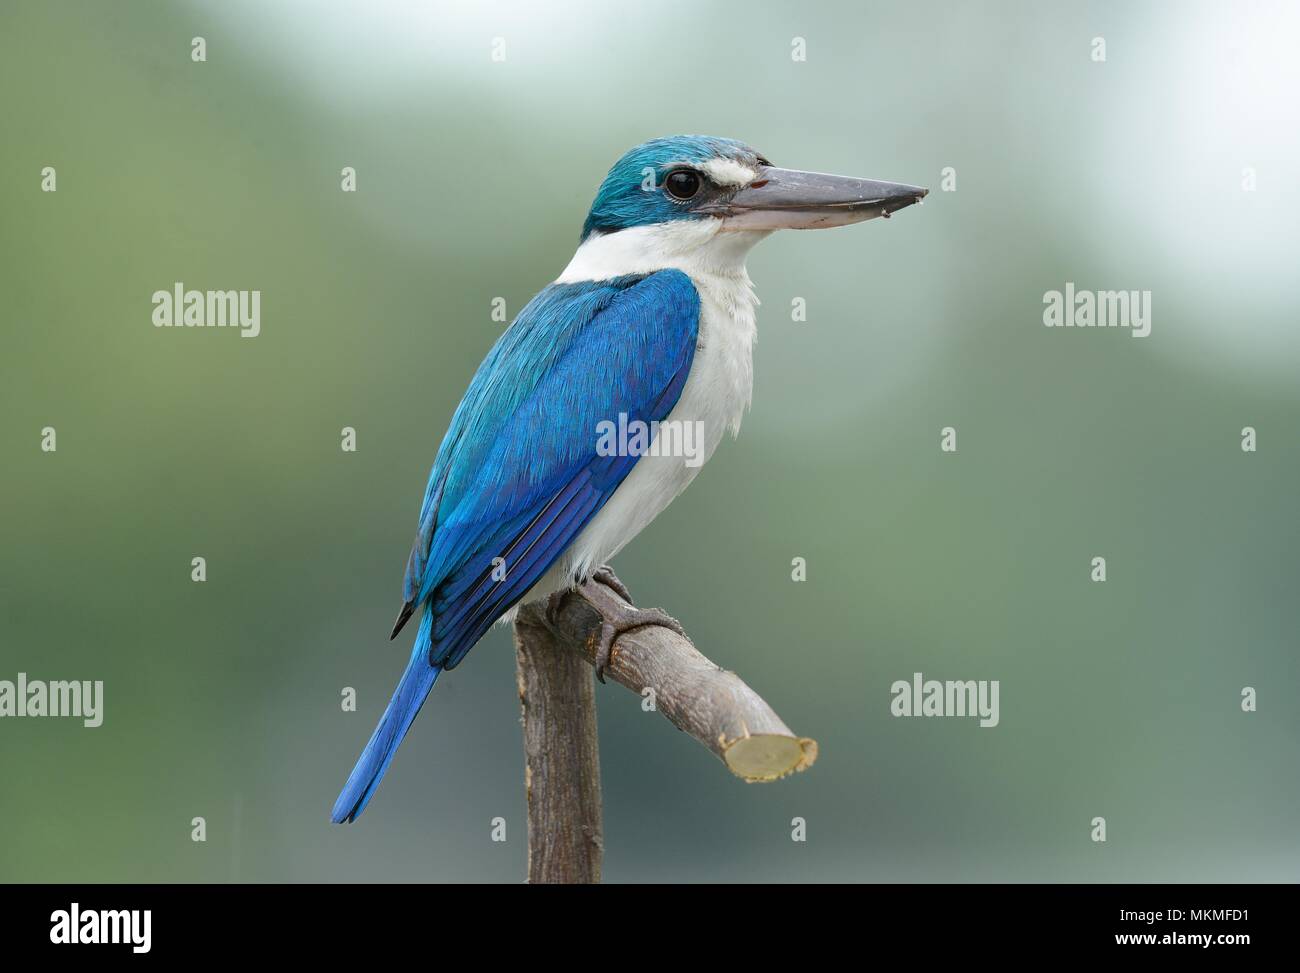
column 728, row 172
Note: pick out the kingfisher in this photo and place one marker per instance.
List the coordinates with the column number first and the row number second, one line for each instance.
column 652, row 322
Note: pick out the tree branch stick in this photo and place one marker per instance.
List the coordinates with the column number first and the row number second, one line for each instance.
column 713, row 705
column 556, row 692
column 562, row 762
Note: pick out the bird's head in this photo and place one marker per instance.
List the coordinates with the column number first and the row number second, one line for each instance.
column 722, row 185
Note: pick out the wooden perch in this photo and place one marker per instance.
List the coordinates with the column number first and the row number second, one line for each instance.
column 562, row 774
column 562, row 763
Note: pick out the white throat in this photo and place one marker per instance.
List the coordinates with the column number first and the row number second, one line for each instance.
column 698, row 248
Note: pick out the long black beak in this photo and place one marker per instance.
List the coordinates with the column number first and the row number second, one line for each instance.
column 781, row 199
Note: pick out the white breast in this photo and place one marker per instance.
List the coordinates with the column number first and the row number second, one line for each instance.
column 717, row 390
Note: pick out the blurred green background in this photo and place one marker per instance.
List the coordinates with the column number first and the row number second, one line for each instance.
column 1119, row 699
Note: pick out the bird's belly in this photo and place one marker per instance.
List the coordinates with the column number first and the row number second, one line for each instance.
column 652, row 485
column 716, row 393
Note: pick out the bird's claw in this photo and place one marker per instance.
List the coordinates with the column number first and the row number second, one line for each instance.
column 616, row 621
column 554, row 601
column 606, row 576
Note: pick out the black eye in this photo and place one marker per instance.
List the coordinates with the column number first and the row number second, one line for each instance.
column 682, row 183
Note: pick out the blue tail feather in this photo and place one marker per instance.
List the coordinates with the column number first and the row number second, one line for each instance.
column 409, row 696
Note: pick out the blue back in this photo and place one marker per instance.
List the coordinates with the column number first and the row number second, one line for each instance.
column 518, row 475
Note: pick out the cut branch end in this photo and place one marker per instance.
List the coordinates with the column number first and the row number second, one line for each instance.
column 765, row 757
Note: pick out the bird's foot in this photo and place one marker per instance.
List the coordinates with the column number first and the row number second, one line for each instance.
column 626, row 620
column 618, row 617
column 554, row 602
column 606, row 576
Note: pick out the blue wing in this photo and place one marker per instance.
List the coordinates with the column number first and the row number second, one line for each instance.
column 518, row 476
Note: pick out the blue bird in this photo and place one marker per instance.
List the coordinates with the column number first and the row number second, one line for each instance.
column 600, row 402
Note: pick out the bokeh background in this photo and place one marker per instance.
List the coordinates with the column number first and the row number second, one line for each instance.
column 1119, row 699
